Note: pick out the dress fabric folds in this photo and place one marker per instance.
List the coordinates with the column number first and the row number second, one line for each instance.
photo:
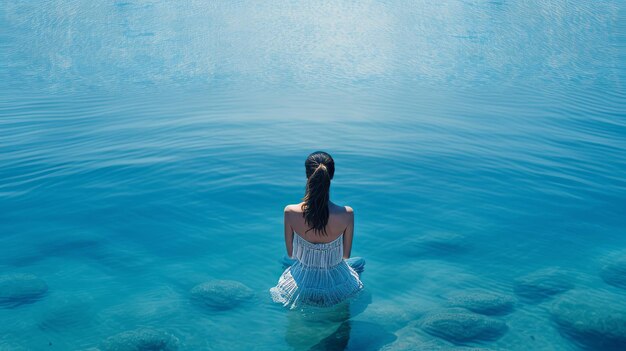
column 319, row 275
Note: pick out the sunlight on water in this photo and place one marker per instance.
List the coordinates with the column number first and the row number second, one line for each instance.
column 150, row 147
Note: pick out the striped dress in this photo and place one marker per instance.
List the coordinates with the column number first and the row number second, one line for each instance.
column 319, row 277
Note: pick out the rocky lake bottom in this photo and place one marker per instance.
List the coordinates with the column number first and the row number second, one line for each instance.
column 444, row 308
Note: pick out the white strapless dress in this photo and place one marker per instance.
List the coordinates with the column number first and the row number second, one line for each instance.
column 319, row 277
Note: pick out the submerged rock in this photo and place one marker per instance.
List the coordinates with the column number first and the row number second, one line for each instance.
column 220, row 294
column 460, row 326
column 543, row 284
column 19, row 289
column 428, row 347
column 141, row 340
column 66, row 314
column 81, row 246
column 483, row 302
column 614, row 273
column 595, row 321
column 414, row 344
column 411, row 338
column 435, row 243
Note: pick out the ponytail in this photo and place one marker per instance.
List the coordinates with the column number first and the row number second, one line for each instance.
column 315, row 206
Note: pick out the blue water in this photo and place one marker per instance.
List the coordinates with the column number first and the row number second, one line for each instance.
column 147, row 147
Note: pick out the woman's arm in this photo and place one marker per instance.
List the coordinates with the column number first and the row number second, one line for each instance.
column 348, row 234
column 288, row 232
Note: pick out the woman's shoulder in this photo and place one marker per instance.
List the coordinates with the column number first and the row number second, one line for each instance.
column 342, row 210
column 294, row 208
column 338, row 209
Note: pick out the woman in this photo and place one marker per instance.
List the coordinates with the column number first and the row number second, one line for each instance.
column 318, row 238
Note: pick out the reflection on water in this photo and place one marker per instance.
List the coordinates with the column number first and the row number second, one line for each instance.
column 149, row 147
column 317, row 328
column 310, row 332
column 335, row 328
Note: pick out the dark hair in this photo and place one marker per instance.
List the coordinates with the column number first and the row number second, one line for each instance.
column 320, row 168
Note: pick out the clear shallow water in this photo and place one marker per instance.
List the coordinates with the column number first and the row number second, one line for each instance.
column 149, row 147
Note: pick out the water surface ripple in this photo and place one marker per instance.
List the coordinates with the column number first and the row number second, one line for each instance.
column 148, row 147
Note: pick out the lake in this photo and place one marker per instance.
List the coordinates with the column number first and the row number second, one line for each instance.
column 147, row 147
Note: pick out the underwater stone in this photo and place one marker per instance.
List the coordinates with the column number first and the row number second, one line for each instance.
column 72, row 312
column 595, row 321
column 435, row 243
column 220, row 294
column 459, row 326
column 141, row 340
column 483, row 302
column 19, row 289
column 412, row 345
column 411, row 338
column 543, row 284
column 614, row 273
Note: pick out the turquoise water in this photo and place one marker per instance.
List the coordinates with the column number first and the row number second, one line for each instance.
column 148, row 147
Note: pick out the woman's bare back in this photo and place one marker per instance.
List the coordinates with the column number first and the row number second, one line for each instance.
column 340, row 221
